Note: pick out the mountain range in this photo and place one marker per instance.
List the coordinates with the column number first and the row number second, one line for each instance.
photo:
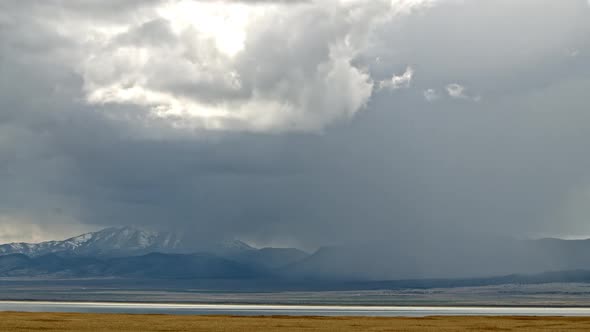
column 131, row 252
column 121, row 241
column 136, row 252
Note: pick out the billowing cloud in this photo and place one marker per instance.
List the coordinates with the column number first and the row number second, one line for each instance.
column 458, row 91
column 398, row 81
column 228, row 65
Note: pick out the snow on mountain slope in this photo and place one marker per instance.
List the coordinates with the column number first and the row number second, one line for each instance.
column 117, row 241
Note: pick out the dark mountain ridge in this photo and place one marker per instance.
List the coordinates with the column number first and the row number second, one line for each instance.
column 139, row 253
column 130, row 252
column 150, row 266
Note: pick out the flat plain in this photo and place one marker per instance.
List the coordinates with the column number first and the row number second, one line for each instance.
column 190, row 291
column 18, row 321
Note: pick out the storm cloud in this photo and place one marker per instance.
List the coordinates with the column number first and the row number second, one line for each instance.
column 307, row 123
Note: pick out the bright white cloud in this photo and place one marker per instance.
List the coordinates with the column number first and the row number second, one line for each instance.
column 233, row 65
column 398, row 81
column 225, row 24
column 458, row 91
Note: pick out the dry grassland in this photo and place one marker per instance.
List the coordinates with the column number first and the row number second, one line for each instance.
column 13, row 321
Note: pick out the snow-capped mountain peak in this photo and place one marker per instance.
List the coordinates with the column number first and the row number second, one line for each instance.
column 115, row 241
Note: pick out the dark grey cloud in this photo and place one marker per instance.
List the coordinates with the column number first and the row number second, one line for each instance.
column 512, row 163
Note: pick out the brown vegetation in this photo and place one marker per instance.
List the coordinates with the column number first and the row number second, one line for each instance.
column 13, row 321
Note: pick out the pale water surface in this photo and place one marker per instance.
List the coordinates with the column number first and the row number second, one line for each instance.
column 293, row 310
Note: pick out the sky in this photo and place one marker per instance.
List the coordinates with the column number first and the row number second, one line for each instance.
column 295, row 123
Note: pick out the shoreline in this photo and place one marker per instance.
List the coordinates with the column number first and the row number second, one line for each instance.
column 282, row 305
column 266, row 310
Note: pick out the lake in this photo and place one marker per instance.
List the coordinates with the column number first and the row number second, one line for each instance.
column 291, row 310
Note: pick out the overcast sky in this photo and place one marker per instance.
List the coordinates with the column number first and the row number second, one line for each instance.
column 302, row 123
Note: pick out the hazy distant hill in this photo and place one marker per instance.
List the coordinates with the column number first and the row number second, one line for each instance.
column 270, row 258
column 480, row 258
column 155, row 265
column 196, row 266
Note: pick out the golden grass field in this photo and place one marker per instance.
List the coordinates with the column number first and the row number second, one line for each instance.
column 16, row 321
